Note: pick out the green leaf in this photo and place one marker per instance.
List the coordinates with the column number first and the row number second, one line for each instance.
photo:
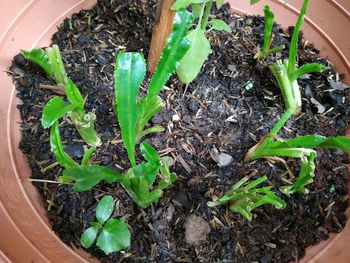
column 114, row 237
column 196, row 10
column 39, row 56
column 55, row 109
column 314, row 141
column 195, row 57
column 147, row 172
column 183, row 4
column 73, row 94
column 176, row 47
column 148, row 107
column 58, row 70
column 219, row 3
column 253, row 2
column 104, row 208
column 269, row 19
column 88, row 237
column 129, row 73
column 57, row 148
column 87, row 156
column 293, row 50
column 307, row 69
column 219, row 24
column 149, row 153
column 86, row 177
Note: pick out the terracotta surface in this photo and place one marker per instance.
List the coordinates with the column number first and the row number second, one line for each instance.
column 28, row 23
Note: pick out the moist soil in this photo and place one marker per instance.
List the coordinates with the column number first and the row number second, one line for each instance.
column 230, row 106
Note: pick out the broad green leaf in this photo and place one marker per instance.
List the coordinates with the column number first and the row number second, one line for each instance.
column 57, row 148
column 55, row 109
column 293, row 50
column 195, row 57
column 86, row 177
column 307, row 69
column 219, row 24
column 219, row 3
column 114, row 237
column 269, row 19
column 129, row 73
column 88, row 237
column 176, row 47
column 104, row 208
column 39, row 56
column 73, row 94
column 149, row 153
column 183, row 4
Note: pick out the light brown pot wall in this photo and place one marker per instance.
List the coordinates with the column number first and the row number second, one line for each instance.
column 26, row 235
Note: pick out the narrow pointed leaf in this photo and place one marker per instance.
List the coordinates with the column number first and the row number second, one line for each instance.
column 114, row 237
column 176, row 47
column 195, row 57
column 269, row 19
column 86, row 177
column 73, row 94
column 57, row 148
column 149, row 153
column 129, row 73
column 104, row 208
column 148, row 107
column 307, row 69
column 55, row 109
column 88, row 237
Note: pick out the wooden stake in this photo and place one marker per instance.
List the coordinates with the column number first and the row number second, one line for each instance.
column 162, row 29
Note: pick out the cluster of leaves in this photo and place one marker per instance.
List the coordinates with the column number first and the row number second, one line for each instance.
column 114, row 233
column 200, row 49
column 272, row 146
column 243, row 198
column 50, row 61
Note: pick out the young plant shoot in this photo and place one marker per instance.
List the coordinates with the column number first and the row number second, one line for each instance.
column 133, row 115
column 268, row 38
column 50, row 61
column 114, row 235
column 192, row 62
column 243, row 197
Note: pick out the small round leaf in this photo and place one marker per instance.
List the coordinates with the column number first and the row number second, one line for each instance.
column 88, row 237
column 114, row 237
column 104, row 208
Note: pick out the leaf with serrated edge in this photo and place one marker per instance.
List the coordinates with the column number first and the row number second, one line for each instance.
column 129, row 73
column 195, row 57
column 114, row 237
column 104, row 208
column 149, row 153
column 55, row 109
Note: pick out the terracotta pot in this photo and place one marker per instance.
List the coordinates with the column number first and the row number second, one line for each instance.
column 26, row 235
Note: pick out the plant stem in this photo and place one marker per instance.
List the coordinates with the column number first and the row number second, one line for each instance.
column 204, row 21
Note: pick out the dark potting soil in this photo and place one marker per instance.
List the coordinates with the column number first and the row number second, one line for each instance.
column 230, row 106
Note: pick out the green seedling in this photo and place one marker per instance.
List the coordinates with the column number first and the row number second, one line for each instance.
column 268, row 38
column 50, row 61
column 133, row 115
column 114, row 233
column 287, row 74
column 192, row 62
column 243, row 198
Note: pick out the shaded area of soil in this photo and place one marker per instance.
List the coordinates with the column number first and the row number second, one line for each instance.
column 89, row 42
